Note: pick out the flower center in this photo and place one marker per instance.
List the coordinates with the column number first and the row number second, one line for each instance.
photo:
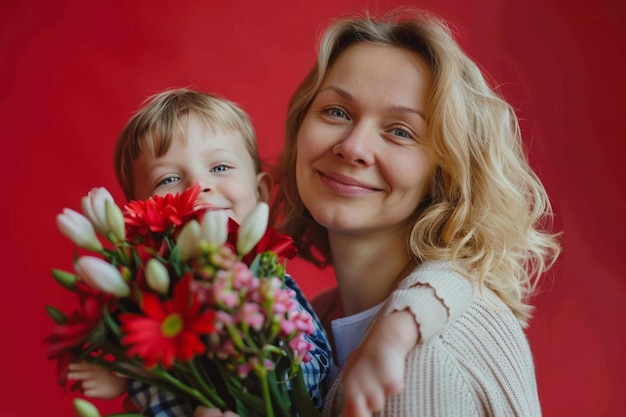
column 172, row 325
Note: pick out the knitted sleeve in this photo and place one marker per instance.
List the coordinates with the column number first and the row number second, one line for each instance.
column 434, row 294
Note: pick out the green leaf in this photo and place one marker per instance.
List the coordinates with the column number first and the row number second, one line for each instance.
column 111, row 323
column 67, row 279
column 254, row 266
column 280, row 395
column 248, row 405
column 57, row 315
column 300, row 397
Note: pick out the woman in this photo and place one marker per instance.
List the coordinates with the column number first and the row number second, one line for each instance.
column 406, row 172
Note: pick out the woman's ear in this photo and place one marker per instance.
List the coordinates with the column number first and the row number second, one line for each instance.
column 264, row 186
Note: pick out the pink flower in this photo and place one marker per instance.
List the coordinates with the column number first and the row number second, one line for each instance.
column 243, row 277
column 300, row 348
column 284, row 301
column 250, row 314
column 303, row 321
column 223, row 291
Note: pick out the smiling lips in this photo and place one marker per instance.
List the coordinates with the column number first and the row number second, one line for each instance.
column 342, row 184
column 210, row 206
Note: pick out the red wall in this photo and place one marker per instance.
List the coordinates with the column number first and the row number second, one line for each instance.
column 71, row 74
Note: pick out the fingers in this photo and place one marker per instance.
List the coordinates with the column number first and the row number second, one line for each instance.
column 357, row 407
column 367, row 380
column 96, row 381
column 93, row 389
column 363, row 402
column 212, row 412
column 82, row 371
column 207, row 412
column 83, row 366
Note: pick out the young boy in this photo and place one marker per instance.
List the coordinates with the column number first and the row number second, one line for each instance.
column 177, row 139
column 182, row 137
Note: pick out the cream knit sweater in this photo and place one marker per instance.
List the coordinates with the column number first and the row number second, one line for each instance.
column 473, row 358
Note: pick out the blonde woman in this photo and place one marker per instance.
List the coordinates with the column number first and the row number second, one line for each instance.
column 405, row 171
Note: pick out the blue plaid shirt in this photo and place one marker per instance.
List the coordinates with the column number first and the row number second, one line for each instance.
column 154, row 402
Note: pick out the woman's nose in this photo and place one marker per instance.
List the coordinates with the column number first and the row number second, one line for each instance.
column 358, row 146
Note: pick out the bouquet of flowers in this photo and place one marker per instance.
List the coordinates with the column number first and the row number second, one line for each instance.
column 181, row 297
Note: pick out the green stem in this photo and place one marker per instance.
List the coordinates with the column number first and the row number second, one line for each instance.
column 209, row 390
column 192, row 392
column 265, row 389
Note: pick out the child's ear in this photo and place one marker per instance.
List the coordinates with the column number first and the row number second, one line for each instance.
column 264, row 186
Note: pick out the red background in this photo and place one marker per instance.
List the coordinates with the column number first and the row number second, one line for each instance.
column 71, row 74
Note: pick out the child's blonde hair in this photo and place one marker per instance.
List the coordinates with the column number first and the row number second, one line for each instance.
column 163, row 116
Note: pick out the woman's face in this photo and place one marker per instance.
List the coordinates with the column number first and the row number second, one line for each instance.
column 363, row 160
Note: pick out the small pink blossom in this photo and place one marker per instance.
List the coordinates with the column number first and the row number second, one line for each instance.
column 303, row 321
column 251, row 315
column 300, row 348
column 287, row 327
column 243, row 277
column 222, row 290
column 284, row 301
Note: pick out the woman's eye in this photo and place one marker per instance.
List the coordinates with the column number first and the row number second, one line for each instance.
column 403, row 133
column 220, row 168
column 336, row 112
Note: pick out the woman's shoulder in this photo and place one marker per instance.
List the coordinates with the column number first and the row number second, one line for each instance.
column 445, row 282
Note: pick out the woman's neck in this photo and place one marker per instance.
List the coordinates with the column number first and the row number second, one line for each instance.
column 368, row 268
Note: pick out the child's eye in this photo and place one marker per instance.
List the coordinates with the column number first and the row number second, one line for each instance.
column 168, row 180
column 220, row 168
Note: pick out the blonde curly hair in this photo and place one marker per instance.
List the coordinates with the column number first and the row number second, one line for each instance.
column 486, row 209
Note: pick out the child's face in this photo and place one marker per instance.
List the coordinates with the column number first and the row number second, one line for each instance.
column 218, row 160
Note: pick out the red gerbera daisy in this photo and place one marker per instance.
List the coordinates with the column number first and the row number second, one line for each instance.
column 168, row 330
column 157, row 213
column 78, row 328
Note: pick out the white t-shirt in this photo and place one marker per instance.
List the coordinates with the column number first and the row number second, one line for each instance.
column 348, row 332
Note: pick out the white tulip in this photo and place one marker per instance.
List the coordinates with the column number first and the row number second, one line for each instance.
column 214, row 227
column 94, row 207
column 115, row 220
column 101, row 275
column 188, row 240
column 157, row 276
column 78, row 229
column 85, row 409
column 253, row 228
